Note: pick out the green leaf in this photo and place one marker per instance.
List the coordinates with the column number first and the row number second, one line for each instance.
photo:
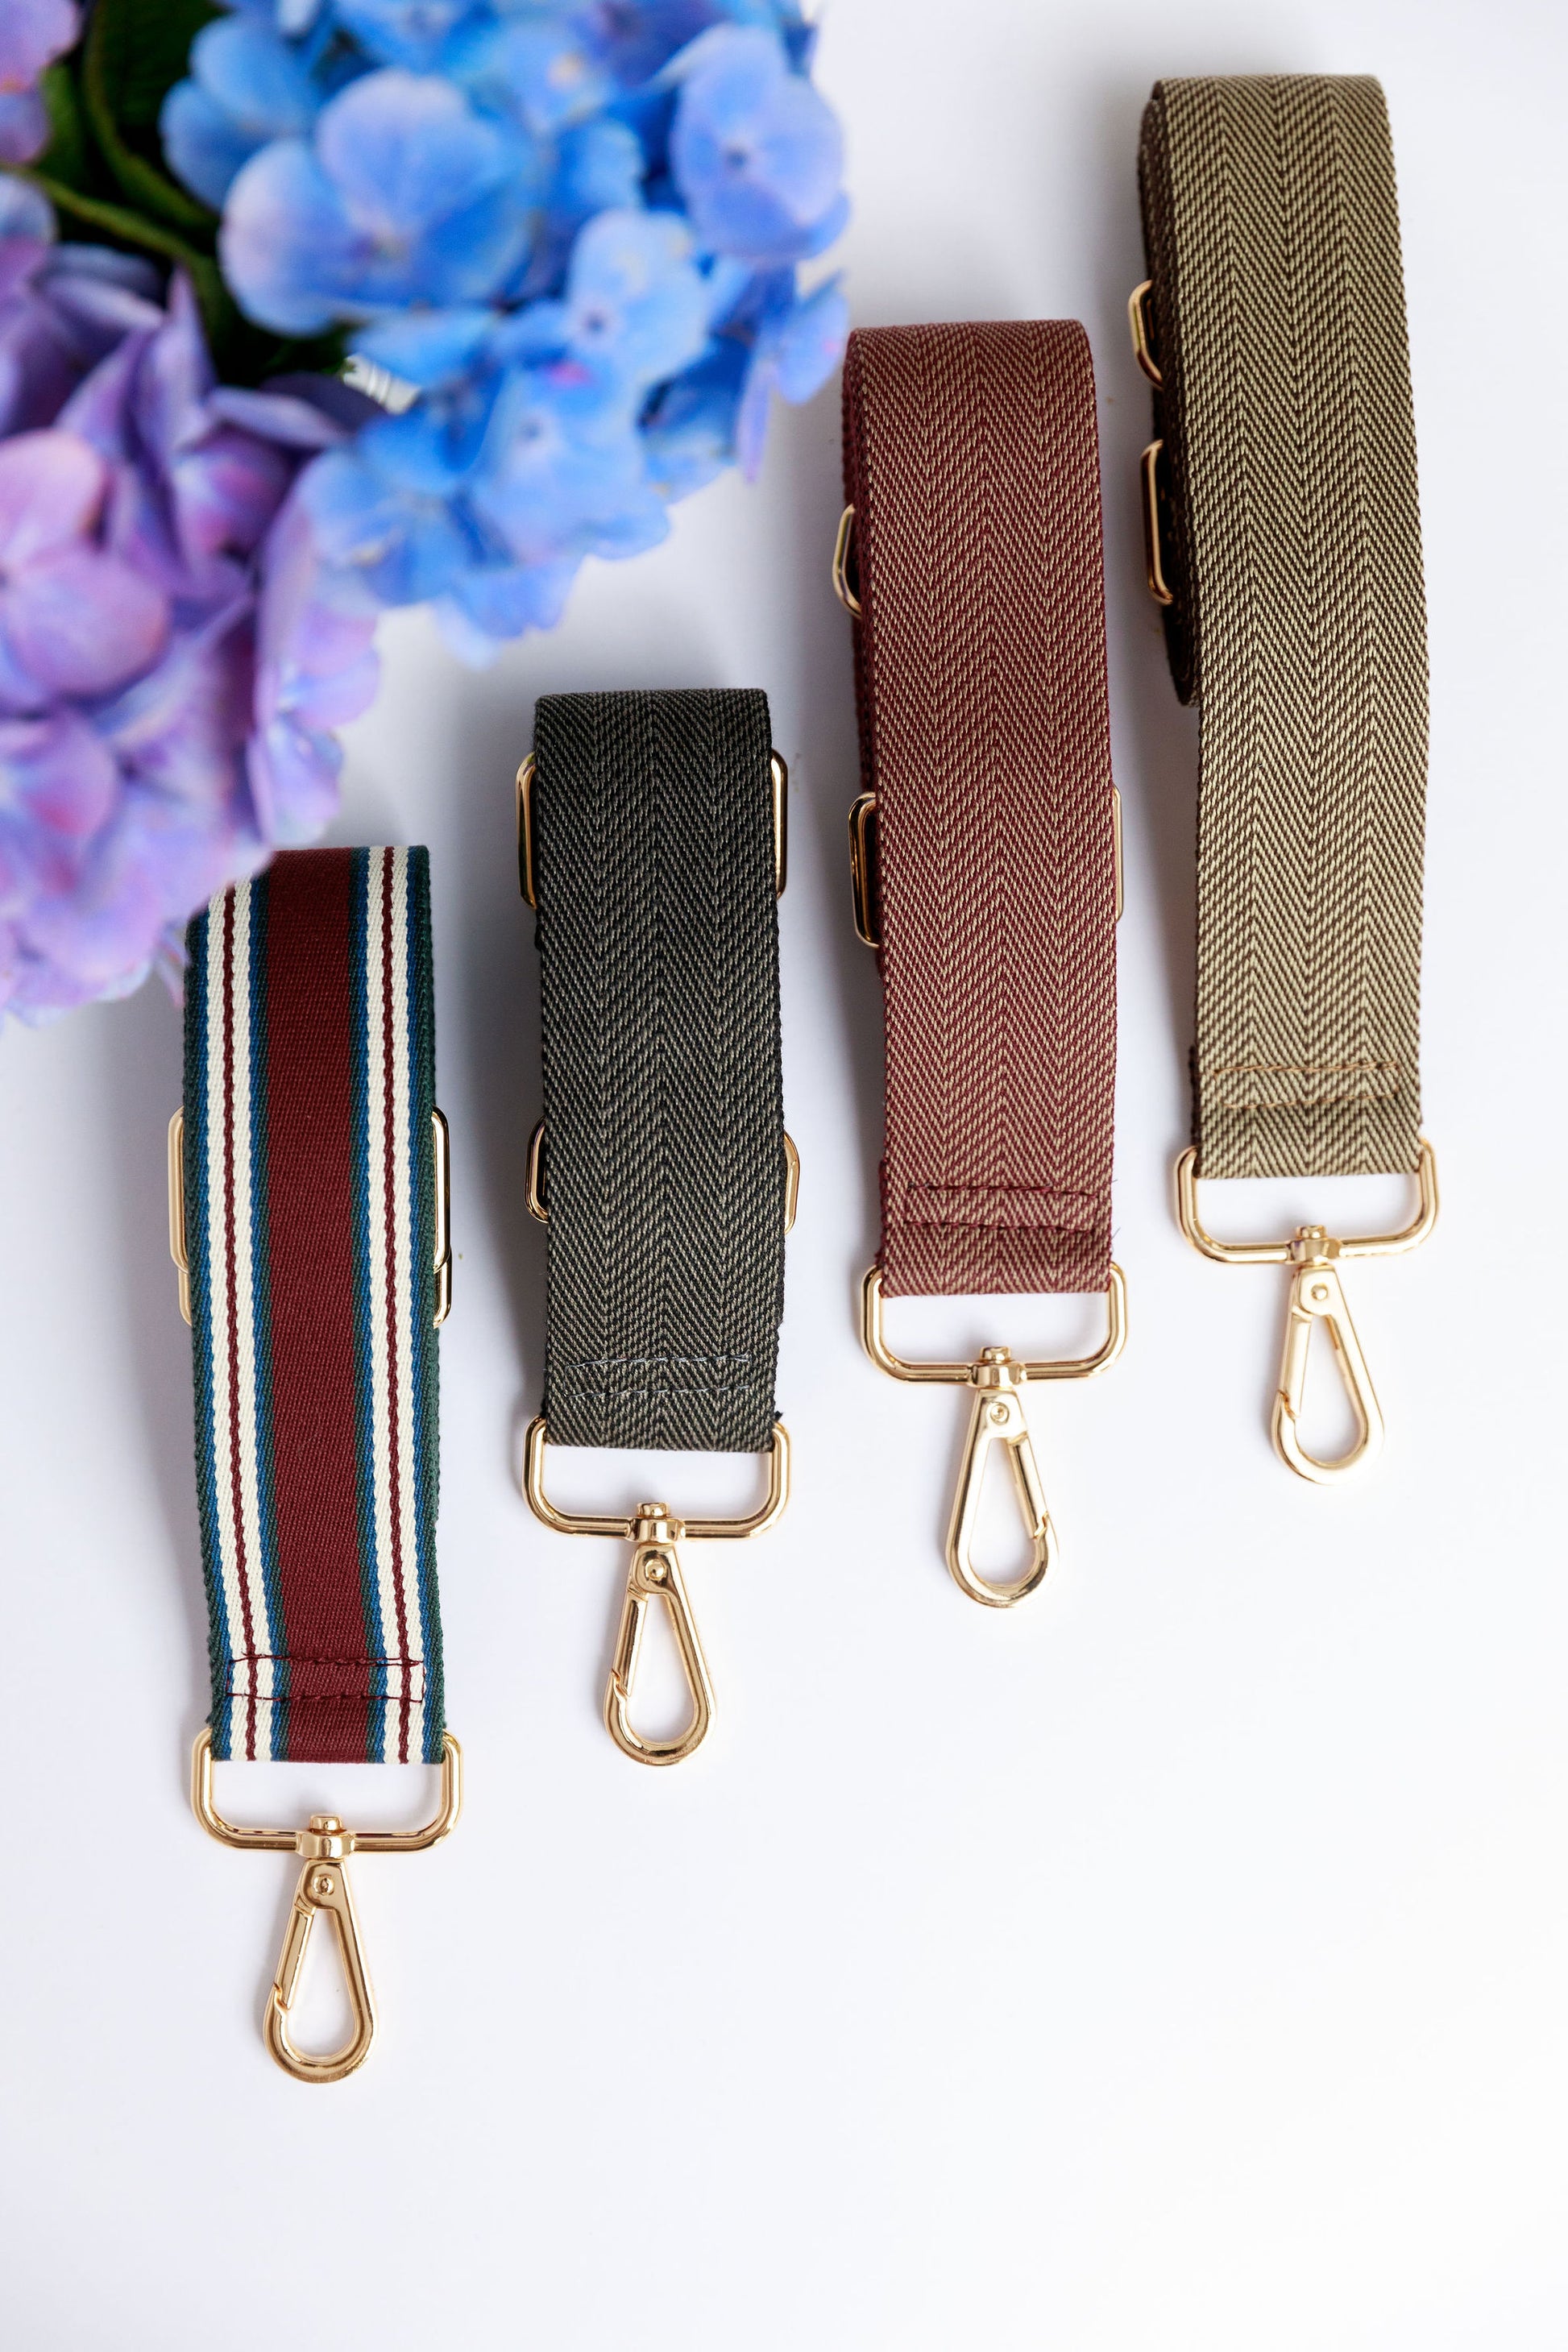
column 144, row 46
column 135, row 52
column 142, row 235
column 65, row 157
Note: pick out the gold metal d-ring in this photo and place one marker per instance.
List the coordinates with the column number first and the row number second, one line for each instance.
column 841, row 546
column 1153, row 560
column 325, row 1846
column 862, row 870
column 1138, row 311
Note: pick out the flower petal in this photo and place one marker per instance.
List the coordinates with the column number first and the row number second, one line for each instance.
column 287, row 244
column 80, row 622
column 51, row 488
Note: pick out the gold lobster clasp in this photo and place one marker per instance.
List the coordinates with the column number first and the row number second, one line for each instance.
column 998, row 1379
column 323, row 1846
column 323, row 1891
column 998, row 1419
column 1317, row 1297
column 654, row 1575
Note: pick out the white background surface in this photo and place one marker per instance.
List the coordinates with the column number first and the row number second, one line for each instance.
column 1174, row 1962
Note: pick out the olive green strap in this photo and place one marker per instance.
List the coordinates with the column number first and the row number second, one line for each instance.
column 1292, row 547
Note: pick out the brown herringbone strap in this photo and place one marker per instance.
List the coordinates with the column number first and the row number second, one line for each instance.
column 972, row 461
column 1293, row 549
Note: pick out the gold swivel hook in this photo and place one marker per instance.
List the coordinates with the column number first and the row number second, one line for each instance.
column 1317, row 1296
column 998, row 1380
column 655, row 1575
column 998, row 1419
column 323, row 1891
column 323, row 1846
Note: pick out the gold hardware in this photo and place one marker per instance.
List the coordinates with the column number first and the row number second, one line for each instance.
column 533, row 1179
column 177, row 1209
column 792, row 1181
column 841, row 588
column 443, row 1148
column 654, row 1575
column 998, row 1419
column 862, row 882
column 1317, row 1296
column 596, row 1523
column 998, row 1379
column 778, row 775
column 442, row 1144
column 1153, row 566
column 1139, row 318
column 525, row 831
column 323, row 1846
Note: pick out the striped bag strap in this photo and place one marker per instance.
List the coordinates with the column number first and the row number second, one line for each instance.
column 307, row 1215
column 1284, row 543
column 311, row 1235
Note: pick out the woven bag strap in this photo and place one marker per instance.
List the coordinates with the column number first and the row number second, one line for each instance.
column 311, row 1232
column 971, row 460
column 1292, row 550
column 663, row 1160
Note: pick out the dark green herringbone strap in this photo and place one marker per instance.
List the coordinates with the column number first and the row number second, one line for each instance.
column 664, row 1163
column 1293, row 548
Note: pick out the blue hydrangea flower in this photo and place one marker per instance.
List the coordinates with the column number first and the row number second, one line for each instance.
column 797, row 346
column 542, row 67
column 245, row 87
column 755, row 153
column 405, row 32
column 635, row 308
column 406, row 196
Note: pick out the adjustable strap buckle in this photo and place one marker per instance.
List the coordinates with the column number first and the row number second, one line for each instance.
column 323, row 1846
column 442, row 1147
column 863, row 890
column 998, row 1379
column 654, row 1574
column 1317, row 1296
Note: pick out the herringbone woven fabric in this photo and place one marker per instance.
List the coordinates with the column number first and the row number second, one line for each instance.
column 972, row 461
column 1293, row 547
column 663, row 1162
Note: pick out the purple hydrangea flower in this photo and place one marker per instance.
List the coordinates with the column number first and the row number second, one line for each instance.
column 406, row 196
column 754, row 150
column 33, row 33
column 172, row 652
column 75, row 618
